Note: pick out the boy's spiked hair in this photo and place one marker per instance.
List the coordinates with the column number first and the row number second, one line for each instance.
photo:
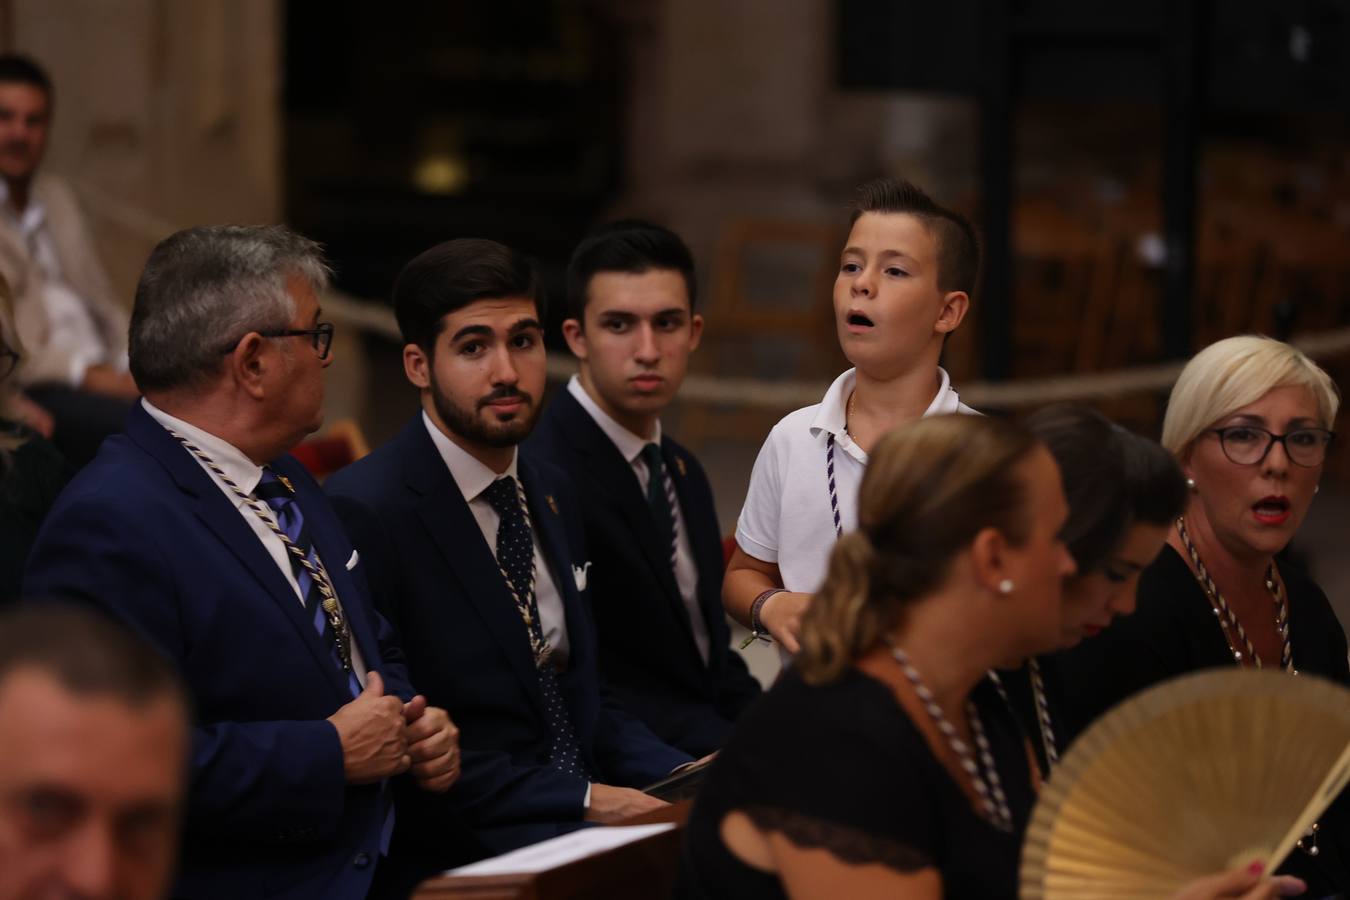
column 958, row 249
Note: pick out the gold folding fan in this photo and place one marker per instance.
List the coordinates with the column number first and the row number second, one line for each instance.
column 1195, row 776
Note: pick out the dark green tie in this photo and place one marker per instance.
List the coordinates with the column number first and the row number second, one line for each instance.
column 660, row 497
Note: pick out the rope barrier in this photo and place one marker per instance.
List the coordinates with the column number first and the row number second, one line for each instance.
column 758, row 393
column 784, row 395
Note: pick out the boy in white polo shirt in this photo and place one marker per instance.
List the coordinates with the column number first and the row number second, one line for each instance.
column 904, row 284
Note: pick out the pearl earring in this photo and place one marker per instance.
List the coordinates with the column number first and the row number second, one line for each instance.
column 1190, row 484
column 1005, row 586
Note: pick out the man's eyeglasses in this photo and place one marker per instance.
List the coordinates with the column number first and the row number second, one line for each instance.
column 321, row 337
column 1248, row 445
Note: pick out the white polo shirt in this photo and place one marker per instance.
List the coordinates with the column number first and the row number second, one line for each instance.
column 787, row 518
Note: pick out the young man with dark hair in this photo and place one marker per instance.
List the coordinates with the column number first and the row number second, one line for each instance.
column 656, row 592
column 480, row 559
column 72, row 325
column 904, row 284
column 93, row 753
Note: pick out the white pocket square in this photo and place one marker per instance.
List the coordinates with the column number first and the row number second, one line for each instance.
column 351, row 563
column 579, row 575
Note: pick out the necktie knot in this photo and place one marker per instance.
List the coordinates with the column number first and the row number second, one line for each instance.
column 272, row 490
column 651, row 457
column 503, row 497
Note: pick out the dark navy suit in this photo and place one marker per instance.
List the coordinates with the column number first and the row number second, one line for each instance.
column 647, row 650
column 438, row 583
column 145, row 534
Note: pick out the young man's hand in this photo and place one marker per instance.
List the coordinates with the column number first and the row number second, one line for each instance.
column 611, row 805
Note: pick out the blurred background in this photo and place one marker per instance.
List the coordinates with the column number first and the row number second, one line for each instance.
column 1147, row 177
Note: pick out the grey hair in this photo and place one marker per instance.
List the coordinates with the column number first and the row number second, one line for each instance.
column 204, row 288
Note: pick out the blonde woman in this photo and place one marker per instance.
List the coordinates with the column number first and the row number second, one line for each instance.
column 1249, row 420
column 32, row 472
column 884, row 763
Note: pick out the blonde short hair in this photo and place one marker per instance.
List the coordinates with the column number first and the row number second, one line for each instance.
column 1232, row 373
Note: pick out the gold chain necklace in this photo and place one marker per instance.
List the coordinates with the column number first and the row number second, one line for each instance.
column 1229, row 624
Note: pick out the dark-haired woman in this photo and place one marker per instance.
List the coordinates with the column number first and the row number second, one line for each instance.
column 885, row 763
column 1124, row 492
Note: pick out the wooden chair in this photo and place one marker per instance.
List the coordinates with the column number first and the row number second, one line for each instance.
column 1064, row 271
column 769, row 314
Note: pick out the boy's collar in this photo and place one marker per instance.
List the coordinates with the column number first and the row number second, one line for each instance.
column 831, row 415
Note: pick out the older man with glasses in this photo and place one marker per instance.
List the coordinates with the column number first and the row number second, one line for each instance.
column 197, row 529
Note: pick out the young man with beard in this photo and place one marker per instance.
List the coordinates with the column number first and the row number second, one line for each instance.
column 905, row 279
column 479, row 557
column 657, row 594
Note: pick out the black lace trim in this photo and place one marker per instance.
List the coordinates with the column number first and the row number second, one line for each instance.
column 850, row 845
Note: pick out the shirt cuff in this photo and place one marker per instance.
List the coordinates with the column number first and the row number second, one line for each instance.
column 586, row 801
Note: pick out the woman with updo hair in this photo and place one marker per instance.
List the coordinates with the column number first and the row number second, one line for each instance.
column 884, row 762
column 1249, row 421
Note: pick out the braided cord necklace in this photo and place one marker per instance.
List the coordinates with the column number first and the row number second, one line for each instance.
column 1231, row 627
column 332, row 609
column 1043, row 714
column 983, row 774
column 829, row 469
column 1228, row 620
column 523, row 595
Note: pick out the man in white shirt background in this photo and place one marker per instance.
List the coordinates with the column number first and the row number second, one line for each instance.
column 73, row 329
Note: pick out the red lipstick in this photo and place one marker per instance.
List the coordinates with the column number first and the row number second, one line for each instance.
column 1271, row 510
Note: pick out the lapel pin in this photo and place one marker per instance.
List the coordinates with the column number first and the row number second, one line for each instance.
column 679, row 464
column 287, row 482
column 552, row 504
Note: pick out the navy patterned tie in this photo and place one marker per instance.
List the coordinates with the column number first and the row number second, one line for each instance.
column 515, row 557
column 279, row 497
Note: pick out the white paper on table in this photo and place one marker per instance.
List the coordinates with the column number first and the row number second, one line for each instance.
column 563, row 849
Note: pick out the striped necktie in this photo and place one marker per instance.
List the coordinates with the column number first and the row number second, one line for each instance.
column 319, row 598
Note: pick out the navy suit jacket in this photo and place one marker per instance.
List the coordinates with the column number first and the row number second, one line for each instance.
column 439, row 585
column 647, row 650
column 146, row 535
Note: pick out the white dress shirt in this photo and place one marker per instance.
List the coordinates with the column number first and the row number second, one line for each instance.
column 630, row 447
column 70, row 323
column 473, row 478
column 246, row 474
